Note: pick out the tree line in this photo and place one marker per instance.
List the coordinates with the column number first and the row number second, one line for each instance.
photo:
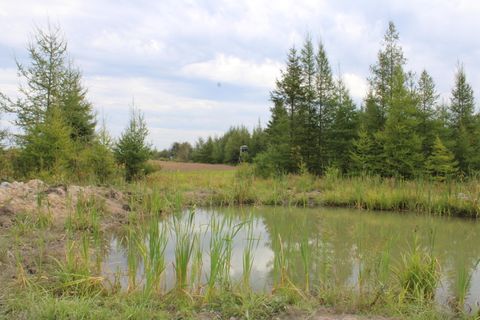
column 401, row 129
column 58, row 137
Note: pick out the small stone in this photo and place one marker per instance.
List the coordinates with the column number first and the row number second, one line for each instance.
column 5, row 185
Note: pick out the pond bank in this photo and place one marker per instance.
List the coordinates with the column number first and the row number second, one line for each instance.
column 44, row 257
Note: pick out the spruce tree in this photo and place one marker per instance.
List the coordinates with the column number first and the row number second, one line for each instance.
column 131, row 150
column 343, row 129
column 290, row 94
column 362, row 154
column 401, row 142
column 73, row 99
column 441, row 163
column 278, row 146
column 463, row 124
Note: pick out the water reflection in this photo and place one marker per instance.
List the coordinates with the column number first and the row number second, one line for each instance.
column 344, row 247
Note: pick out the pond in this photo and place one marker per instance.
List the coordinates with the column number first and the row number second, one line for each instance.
column 309, row 248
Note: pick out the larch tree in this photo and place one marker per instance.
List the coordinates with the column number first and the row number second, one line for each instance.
column 441, row 164
column 427, row 98
column 309, row 145
column 390, row 57
column 325, row 92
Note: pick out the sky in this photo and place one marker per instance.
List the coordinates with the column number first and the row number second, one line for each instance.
column 195, row 68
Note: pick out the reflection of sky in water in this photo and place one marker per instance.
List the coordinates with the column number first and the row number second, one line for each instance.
column 342, row 241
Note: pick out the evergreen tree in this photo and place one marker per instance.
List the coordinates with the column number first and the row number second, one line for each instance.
column 427, row 100
column 441, row 163
column 402, row 144
column 290, row 94
column 343, row 129
column 258, row 142
column 309, row 112
column 73, row 99
column 463, row 124
column 390, row 58
column 362, row 153
column 325, row 92
column 47, row 147
column 43, row 77
column 278, row 146
column 131, row 150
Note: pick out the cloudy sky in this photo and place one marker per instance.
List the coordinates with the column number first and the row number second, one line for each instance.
column 197, row 67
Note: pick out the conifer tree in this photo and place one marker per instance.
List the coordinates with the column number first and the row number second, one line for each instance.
column 427, row 100
column 390, row 58
column 278, row 146
column 325, row 92
column 131, row 150
column 362, row 153
column 441, row 163
column 401, row 142
column 309, row 112
column 73, row 99
column 463, row 124
column 290, row 94
column 47, row 147
column 343, row 129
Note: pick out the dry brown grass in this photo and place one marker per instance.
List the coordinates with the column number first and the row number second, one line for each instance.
column 188, row 166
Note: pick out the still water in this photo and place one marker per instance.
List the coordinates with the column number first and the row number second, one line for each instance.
column 344, row 246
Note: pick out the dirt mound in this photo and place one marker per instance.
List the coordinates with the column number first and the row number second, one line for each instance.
column 59, row 201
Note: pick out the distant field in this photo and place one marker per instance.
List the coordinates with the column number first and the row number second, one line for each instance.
column 186, row 166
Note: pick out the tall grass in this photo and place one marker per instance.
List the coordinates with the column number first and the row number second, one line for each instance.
column 418, row 275
column 152, row 252
column 251, row 243
column 185, row 240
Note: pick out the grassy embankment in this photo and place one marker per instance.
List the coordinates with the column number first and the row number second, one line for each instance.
column 54, row 270
column 234, row 187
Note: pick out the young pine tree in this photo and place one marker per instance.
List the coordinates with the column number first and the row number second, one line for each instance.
column 131, row 150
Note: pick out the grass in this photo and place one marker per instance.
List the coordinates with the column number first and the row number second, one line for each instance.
column 73, row 286
column 223, row 188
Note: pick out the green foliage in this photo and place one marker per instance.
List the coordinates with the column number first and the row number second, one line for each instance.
column 464, row 124
column 419, row 275
column 46, row 146
column 441, row 164
column 131, row 149
column 402, row 144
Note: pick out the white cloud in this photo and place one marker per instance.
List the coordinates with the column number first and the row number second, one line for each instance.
column 169, row 54
column 231, row 69
column 356, row 84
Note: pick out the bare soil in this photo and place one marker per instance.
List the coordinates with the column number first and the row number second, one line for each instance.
column 188, row 166
column 36, row 196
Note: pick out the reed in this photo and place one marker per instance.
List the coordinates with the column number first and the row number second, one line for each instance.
column 185, row 240
column 152, row 250
column 251, row 244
